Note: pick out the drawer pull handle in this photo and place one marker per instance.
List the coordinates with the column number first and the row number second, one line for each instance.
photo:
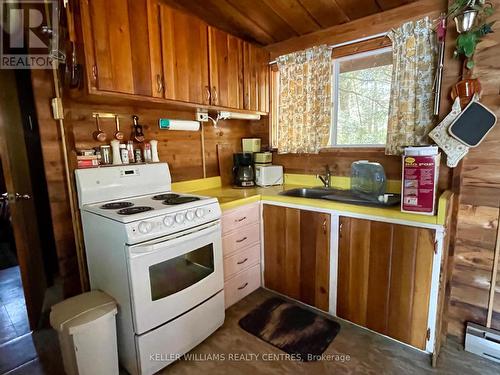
column 242, row 261
column 243, row 239
column 240, row 220
column 243, row 286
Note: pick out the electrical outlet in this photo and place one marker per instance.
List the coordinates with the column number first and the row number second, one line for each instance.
column 201, row 116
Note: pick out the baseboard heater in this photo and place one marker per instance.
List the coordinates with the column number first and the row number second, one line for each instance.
column 483, row 341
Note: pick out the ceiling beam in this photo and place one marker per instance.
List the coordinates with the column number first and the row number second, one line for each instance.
column 361, row 28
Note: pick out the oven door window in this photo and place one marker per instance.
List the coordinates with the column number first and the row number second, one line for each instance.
column 176, row 274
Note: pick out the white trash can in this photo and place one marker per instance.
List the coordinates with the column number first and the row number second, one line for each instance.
column 87, row 333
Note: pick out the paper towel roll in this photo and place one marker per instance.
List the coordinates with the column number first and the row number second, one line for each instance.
column 168, row 124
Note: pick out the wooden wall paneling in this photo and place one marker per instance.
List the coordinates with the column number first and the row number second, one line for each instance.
column 56, row 183
column 325, row 12
column 360, row 8
column 360, row 28
column 185, row 56
column 295, row 15
column 265, row 17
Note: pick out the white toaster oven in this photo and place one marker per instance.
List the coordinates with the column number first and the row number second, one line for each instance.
column 268, row 175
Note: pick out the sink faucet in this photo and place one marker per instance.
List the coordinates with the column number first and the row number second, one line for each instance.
column 326, row 179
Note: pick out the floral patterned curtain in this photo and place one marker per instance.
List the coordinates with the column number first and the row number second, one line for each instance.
column 411, row 102
column 304, row 101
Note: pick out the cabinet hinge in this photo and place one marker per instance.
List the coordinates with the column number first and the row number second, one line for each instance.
column 94, row 72
column 428, row 336
column 436, row 244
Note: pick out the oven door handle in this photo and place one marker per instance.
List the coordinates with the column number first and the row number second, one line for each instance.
column 138, row 250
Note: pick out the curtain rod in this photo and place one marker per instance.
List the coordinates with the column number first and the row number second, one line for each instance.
column 379, row 35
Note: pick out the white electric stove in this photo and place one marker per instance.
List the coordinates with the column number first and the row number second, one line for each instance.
column 159, row 254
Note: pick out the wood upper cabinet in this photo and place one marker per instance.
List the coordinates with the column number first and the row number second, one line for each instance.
column 116, row 45
column 256, row 73
column 226, row 69
column 384, row 278
column 184, row 47
column 297, row 254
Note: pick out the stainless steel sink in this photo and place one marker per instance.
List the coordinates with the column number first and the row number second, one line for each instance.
column 346, row 196
column 307, row 192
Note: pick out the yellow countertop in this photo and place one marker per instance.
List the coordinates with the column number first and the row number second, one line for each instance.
column 230, row 197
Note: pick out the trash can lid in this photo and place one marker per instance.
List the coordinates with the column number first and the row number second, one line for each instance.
column 81, row 310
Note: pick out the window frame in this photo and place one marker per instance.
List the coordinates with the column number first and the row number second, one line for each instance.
column 335, row 94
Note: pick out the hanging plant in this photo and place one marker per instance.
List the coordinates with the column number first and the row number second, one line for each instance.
column 470, row 18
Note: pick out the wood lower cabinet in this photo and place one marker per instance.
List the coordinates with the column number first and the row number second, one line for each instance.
column 297, row 254
column 384, row 278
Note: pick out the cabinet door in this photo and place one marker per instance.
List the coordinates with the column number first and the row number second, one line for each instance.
column 256, row 78
column 184, row 41
column 384, row 278
column 226, row 69
column 296, row 254
column 117, row 46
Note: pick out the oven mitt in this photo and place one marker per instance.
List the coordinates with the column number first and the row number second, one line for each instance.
column 454, row 149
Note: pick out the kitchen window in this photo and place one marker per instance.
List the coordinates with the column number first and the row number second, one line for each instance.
column 361, row 91
column 361, row 87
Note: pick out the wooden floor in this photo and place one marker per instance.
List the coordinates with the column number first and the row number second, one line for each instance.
column 369, row 353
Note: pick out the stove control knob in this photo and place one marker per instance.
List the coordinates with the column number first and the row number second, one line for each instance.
column 200, row 212
column 168, row 221
column 145, row 227
column 190, row 215
column 179, row 218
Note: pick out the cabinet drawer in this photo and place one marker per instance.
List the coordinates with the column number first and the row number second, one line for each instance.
column 240, row 239
column 241, row 285
column 241, row 260
column 240, row 217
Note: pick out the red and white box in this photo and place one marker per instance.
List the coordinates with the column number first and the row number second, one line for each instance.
column 420, row 180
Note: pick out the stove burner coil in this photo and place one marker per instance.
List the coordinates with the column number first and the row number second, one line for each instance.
column 134, row 210
column 180, row 200
column 116, row 205
column 162, row 197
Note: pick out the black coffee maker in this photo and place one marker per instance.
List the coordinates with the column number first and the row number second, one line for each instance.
column 243, row 175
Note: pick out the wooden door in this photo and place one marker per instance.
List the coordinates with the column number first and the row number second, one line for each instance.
column 15, row 164
column 297, row 254
column 256, row 78
column 184, row 46
column 117, row 49
column 384, row 278
column 226, row 69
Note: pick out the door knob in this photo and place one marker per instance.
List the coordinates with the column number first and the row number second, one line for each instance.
column 22, row 197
